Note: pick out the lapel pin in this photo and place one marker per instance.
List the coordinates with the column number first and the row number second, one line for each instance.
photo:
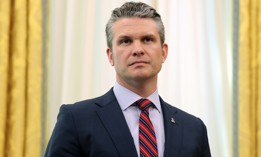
column 172, row 120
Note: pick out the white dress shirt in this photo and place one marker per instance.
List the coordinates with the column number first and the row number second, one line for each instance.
column 131, row 113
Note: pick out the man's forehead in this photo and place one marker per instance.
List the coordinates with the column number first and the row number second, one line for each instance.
column 130, row 20
column 134, row 27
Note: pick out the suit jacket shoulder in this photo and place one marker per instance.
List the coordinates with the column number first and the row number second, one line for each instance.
column 185, row 134
column 91, row 128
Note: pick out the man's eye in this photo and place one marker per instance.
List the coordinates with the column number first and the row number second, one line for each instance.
column 148, row 39
column 125, row 41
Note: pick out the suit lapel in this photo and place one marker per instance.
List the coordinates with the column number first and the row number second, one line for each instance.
column 173, row 130
column 114, row 121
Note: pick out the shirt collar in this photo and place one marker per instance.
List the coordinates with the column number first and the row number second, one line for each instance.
column 121, row 93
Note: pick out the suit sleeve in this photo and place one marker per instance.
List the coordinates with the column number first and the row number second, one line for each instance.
column 64, row 140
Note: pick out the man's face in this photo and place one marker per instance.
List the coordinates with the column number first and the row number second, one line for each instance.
column 137, row 52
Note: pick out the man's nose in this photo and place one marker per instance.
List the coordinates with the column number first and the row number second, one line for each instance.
column 137, row 49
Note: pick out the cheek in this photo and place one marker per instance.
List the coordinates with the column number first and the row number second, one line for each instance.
column 159, row 59
column 118, row 59
column 121, row 56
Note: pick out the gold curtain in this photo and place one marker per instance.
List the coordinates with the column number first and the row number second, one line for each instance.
column 20, row 78
column 249, row 78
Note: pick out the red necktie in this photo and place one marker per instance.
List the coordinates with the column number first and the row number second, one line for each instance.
column 147, row 137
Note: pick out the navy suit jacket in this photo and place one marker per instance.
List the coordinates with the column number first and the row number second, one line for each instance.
column 97, row 128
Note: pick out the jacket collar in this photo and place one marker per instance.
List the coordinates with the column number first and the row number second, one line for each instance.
column 114, row 121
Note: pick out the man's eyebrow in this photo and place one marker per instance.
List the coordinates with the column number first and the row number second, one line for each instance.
column 128, row 36
column 124, row 36
column 149, row 35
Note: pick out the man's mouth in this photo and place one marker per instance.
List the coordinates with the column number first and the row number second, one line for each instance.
column 138, row 62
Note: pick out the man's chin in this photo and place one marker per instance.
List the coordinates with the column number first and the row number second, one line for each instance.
column 141, row 77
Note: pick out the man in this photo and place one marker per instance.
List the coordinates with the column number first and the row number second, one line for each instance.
column 130, row 119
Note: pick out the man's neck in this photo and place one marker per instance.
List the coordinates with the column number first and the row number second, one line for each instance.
column 142, row 88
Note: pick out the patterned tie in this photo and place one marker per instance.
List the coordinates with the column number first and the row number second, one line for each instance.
column 147, row 137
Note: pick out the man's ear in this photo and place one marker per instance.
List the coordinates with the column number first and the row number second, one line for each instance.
column 164, row 52
column 110, row 56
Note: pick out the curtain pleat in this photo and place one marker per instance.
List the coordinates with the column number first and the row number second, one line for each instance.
column 4, row 62
column 34, row 79
column 21, row 78
column 250, row 79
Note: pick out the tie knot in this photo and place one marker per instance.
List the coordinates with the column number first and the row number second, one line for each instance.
column 143, row 104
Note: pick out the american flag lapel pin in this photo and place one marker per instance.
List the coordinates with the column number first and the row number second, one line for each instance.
column 173, row 120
